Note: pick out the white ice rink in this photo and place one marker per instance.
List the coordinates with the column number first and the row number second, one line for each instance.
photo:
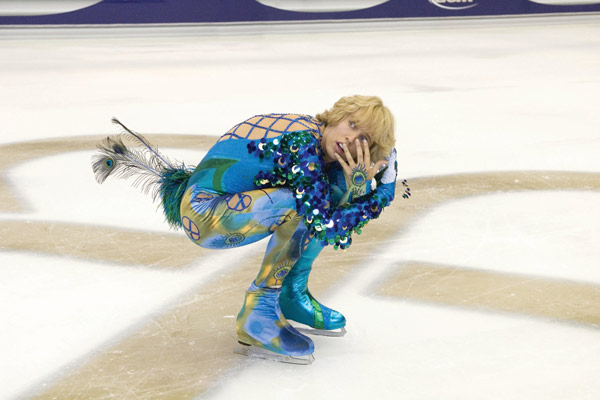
column 515, row 95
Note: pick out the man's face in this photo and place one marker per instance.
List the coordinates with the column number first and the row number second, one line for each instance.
column 346, row 132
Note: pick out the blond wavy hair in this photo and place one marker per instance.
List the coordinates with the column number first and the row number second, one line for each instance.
column 370, row 115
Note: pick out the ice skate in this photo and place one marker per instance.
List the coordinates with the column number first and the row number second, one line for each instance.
column 263, row 332
column 310, row 316
column 257, row 352
column 299, row 305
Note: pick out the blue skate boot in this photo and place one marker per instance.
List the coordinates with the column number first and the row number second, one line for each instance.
column 263, row 332
column 297, row 304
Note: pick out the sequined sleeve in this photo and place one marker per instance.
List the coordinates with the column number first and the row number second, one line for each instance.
column 298, row 164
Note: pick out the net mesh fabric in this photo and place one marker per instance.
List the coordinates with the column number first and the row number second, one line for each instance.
column 270, row 126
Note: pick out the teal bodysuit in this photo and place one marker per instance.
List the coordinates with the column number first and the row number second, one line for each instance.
column 265, row 171
column 267, row 177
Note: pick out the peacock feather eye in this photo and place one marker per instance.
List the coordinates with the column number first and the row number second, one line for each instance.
column 109, row 163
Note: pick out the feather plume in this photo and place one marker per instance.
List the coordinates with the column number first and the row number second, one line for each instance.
column 146, row 144
column 132, row 155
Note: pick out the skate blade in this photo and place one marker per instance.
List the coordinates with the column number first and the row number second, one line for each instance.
column 321, row 332
column 257, row 352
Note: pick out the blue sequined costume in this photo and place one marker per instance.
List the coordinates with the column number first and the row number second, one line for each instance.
column 267, row 177
column 287, row 159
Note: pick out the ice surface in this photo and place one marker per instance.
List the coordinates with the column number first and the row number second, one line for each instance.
column 468, row 96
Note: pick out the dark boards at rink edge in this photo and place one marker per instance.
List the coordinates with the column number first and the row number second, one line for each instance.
column 101, row 12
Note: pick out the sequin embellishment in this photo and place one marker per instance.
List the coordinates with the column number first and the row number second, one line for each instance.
column 297, row 163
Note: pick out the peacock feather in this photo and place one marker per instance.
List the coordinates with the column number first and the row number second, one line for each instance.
column 131, row 155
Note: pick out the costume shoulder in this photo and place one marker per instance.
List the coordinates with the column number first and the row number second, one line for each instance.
column 269, row 126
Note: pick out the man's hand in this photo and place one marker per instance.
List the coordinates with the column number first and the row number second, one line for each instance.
column 358, row 174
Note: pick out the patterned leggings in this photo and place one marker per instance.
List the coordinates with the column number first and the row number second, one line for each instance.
column 232, row 220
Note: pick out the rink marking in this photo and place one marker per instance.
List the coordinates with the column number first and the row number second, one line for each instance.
column 166, row 357
column 150, row 249
column 555, row 299
column 199, row 320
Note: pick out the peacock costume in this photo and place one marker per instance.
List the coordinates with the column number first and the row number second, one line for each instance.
column 264, row 177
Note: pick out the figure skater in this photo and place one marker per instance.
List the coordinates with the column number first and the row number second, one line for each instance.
column 305, row 182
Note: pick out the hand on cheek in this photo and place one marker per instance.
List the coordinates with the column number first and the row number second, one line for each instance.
column 358, row 173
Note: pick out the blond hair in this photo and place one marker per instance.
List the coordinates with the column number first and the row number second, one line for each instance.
column 370, row 115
